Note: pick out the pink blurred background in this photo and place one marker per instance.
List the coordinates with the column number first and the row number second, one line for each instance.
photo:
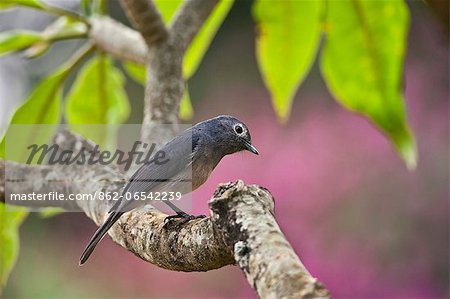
column 361, row 223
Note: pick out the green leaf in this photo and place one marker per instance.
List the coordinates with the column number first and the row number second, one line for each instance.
column 50, row 212
column 16, row 40
column 29, row 3
column 288, row 37
column 42, row 107
column 64, row 28
column 167, row 8
column 362, row 64
column 38, row 42
column 98, row 97
column 201, row 42
column 10, row 220
column 136, row 71
column 186, row 110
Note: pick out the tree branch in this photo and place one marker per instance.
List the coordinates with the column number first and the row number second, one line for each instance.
column 146, row 19
column 189, row 19
column 127, row 44
column 117, row 39
column 245, row 217
column 241, row 227
column 165, row 82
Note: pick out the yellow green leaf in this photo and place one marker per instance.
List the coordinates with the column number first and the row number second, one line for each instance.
column 135, row 70
column 362, row 63
column 4, row 4
column 167, row 8
column 10, row 220
column 41, row 107
column 50, row 212
column 186, row 110
column 98, row 97
column 16, row 40
column 288, row 37
column 202, row 41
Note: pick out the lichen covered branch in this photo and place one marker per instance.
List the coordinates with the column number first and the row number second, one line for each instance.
column 241, row 229
column 245, row 217
column 117, row 39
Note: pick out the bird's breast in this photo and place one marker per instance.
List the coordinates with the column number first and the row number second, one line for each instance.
column 200, row 173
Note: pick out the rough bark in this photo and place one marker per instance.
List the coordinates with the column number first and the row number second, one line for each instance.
column 146, row 19
column 241, row 228
column 245, row 217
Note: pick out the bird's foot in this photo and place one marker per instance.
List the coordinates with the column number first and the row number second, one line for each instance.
column 179, row 219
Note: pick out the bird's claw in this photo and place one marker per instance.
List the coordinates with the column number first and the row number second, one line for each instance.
column 183, row 217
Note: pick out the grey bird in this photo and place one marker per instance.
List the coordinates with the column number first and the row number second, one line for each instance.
column 211, row 140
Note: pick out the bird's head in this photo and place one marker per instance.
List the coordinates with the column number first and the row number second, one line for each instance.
column 230, row 135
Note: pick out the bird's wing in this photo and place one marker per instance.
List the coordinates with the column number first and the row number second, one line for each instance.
column 148, row 177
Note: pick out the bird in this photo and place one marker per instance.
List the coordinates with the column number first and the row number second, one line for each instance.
column 190, row 158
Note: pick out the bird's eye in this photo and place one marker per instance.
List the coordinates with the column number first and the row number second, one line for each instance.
column 238, row 129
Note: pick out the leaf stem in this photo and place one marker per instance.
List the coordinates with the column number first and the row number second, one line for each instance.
column 76, row 59
column 74, row 35
column 63, row 12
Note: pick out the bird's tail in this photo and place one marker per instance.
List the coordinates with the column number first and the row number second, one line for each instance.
column 98, row 236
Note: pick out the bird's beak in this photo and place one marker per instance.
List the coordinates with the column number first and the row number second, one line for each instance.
column 251, row 148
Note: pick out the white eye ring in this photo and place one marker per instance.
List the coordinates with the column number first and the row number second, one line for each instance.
column 239, row 129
